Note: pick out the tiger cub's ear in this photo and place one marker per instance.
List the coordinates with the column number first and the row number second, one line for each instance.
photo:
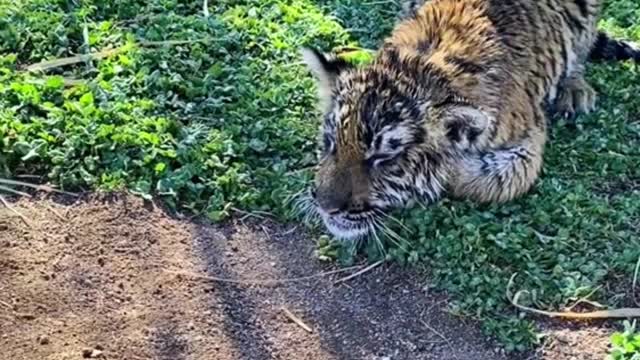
column 326, row 70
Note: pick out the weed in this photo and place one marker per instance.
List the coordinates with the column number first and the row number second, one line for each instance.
column 625, row 345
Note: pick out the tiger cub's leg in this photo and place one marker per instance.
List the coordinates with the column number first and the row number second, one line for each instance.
column 500, row 174
column 575, row 96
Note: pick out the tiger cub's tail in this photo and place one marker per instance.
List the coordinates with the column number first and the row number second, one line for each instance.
column 607, row 48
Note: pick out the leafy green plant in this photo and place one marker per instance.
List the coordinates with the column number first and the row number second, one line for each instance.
column 212, row 113
column 210, row 118
column 327, row 250
column 625, row 345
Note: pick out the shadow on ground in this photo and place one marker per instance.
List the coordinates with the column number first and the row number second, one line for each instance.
column 113, row 277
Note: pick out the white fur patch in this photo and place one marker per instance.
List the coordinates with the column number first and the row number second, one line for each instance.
column 314, row 64
column 344, row 229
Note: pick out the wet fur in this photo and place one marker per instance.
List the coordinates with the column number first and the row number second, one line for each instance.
column 452, row 104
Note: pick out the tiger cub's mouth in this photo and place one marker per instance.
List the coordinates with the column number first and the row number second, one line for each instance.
column 345, row 226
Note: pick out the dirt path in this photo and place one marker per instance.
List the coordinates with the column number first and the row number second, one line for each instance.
column 97, row 279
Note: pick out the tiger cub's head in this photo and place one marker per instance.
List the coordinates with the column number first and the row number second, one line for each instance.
column 387, row 132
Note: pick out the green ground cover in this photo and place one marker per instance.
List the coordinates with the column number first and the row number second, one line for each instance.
column 215, row 111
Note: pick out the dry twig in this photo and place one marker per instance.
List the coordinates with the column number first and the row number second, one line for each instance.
column 635, row 282
column 44, row 188
column 434, row 331
column 50, row 64
column 261, row 282
column 70, row 82
column 288, row 232
column 6, row 304
column 263, row 215
column 602, row 314
column 25, row 316
column 8, row 206
column 55, row 63
column 440, row 335
column 358, row 273
column 9, row 190
column 55, row 212
column 296, row 320
column 171, row 42
column 585, row 299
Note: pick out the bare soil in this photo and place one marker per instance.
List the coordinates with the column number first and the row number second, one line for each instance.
column 114, row 277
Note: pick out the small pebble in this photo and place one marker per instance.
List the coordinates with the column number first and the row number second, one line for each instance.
column 43, row 340
column 91, row 353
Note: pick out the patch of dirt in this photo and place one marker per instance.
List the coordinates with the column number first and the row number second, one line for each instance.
column 104, row 277
column 587, row 342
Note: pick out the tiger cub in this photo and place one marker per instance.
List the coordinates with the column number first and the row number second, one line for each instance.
column 453, row 104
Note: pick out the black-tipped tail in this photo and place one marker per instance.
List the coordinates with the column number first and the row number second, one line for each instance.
column 606, row 48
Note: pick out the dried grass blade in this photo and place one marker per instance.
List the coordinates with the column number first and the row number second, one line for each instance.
column 8, row 206
column 622, row 313
column 34, row 186
column 13, row 191
column 54, row 63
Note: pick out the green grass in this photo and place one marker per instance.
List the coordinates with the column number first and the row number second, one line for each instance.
column 625, row 345
column 224, row 118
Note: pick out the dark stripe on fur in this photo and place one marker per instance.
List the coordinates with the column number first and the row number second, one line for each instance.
column 582, row 5
column 574, row 23
column 465, row 65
